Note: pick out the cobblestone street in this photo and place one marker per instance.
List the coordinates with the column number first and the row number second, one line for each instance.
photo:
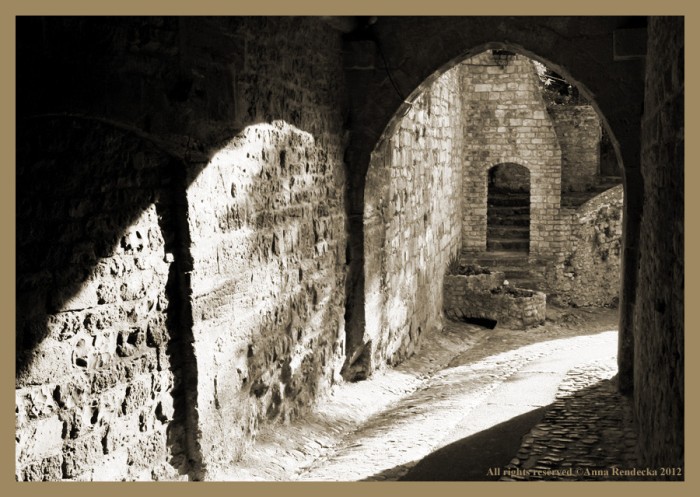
column 465, row 381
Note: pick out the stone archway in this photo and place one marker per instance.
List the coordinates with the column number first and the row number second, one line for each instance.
column 409, row 50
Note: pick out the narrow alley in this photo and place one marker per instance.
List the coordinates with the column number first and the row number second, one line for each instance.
column 349, row 248
column 473, row 405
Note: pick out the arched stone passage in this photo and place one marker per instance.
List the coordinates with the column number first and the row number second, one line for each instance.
column 410, row 45
column 508, row 208
column 484, row 111
column 180, row 90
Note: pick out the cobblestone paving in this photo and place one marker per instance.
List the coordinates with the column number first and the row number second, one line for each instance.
column 464, row 380
column 281, row 452
column 453, row 404
column 587, row 435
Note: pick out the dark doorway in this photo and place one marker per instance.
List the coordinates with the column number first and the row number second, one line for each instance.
column 508, row 211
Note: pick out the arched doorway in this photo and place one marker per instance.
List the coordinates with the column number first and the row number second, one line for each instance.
column 508, row 208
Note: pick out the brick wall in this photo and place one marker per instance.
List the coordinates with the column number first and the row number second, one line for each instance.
column 579, row 133
column 412, row 221
column 659, row 310
column 506, row 121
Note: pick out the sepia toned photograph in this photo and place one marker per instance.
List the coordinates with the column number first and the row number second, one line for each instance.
column 349, row 248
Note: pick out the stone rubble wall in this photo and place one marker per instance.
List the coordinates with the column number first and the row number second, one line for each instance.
column 94, row 373
column 587, row 271
column 181, row 227
column 268, row 233
column 412, row 221
column 659, row 310
column 484, row 296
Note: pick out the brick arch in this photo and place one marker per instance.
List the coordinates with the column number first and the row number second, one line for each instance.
column 474, row 201
column 579, row 48
column 474, row 207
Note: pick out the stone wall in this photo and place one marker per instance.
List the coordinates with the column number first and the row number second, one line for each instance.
column 181, row 227
column 506, row 121
column 412, row 222
column 579, row 133
column 116, row 116
column 95, row 372
column 268, row 241
column 659, row 311
column 513, row 308
column 587, row 272
column 269, row 252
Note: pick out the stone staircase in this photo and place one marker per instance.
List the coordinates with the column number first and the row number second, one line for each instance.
column 508, row 233
column 508, row 225
column 518, row 270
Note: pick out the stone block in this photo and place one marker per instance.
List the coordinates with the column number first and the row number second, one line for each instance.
column 39, row 439
column 82, row 454
column 48, row 469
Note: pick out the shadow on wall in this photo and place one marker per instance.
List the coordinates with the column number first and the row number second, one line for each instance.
column 90, row 200
column 102, row 259
column 106, row 157
column 268, row 242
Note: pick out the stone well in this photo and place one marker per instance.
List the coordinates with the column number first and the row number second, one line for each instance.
column 482, row 294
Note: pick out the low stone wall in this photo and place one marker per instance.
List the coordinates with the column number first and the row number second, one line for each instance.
column 485, row 296
column 588, row 272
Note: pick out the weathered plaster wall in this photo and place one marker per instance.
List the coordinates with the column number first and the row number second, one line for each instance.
column 659, row 313
column 412, row 223
column 506, row 121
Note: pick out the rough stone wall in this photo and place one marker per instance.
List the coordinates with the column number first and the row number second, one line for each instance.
column 510, row 307
column 579, row 132
column 94, row 371
column 659, row 310
column 268, row 242
column 154, row 131
column 506, row 121
column 412, row 221
column 587, row 272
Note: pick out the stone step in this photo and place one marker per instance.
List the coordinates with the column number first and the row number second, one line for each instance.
column 529, row 284
column 573, row 200
column 504, row 256
column 508, row 221
column 509, row 210
column 512, row 200
column 506, row 244
column 517, row 273
column 610, row 180
column 511, row 232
